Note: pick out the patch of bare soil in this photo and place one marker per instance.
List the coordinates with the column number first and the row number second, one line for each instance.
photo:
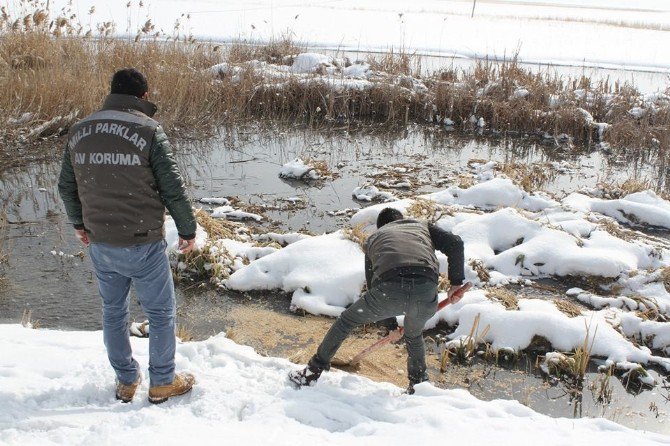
column 297, row 337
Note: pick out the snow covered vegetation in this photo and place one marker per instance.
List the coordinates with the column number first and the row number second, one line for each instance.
column 304, row 171
column 512, row 238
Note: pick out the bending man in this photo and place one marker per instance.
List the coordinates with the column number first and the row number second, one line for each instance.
column 402, row 272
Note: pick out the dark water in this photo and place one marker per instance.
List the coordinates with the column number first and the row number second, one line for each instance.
column 244, row 163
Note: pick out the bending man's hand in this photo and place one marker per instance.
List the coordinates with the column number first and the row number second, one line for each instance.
column 82, row 236
column 186, row 245
column 456, row 293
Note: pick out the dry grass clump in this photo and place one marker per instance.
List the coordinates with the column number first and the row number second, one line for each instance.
column 614, row 191
column 396, row 63
column 464, row 348
column 28, row 321
column 356, row 234
column 443, row 283
column 568, row 308
column 572, row 365
column 320, row 167
column 481, row 270
column 212, row 262
column 216, row 228
column 54, row 66
column 648, row 309
column 530, row 177
column 184, row 333
column 508, row 299
column 278, row 51
column 665, row 277
column 423, row 209
column 614, row 228
column 465, row 181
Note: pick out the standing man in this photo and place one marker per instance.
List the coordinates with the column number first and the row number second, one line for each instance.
column 118, row 175
column 402, row 272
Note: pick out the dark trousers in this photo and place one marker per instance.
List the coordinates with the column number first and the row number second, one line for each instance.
column 415, row 298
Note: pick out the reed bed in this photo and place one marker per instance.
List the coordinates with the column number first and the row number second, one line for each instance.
column 54, row 70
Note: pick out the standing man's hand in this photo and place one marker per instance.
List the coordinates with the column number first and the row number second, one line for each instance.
column 82, row 236
column 186, row 246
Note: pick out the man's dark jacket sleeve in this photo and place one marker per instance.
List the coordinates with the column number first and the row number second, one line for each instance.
column 368, row 271
column 171, row 185
column 452, row 246
column 67, row 188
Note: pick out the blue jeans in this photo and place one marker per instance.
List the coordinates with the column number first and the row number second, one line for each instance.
column 415, row 298
column 148, row 269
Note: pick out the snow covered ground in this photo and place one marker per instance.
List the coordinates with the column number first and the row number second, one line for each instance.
column 611, row 34
column 56, row 387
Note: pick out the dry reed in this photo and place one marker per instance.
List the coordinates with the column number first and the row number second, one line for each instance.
column 665, row 277
column 54, row 70
column 356, row 234
column 466, row 347
column 184, row 333
column 508, row 299
column 530, row 177
column 481, row 270
column 568, row 308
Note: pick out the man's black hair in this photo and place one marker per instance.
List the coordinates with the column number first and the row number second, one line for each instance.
column 387, row 215
column 129, row 81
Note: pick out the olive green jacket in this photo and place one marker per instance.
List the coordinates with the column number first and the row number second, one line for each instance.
column 112, row 186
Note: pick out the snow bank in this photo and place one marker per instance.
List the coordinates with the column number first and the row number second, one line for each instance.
column 514, row 330
column 57, row 388
column 298, row 170
column 324, row 273
column 488, row 195
column 230, row 213
column 368, row 192
column 638, row 208
column 515, row 245
column 221, row 201
column 310, row 62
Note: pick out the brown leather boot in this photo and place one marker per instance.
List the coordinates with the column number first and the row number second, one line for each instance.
column 126, row 392
column 183, row 383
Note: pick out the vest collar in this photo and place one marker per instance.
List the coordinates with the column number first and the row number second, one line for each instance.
column 126, row 101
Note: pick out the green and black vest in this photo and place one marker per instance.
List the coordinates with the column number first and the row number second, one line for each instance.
column 109, row 151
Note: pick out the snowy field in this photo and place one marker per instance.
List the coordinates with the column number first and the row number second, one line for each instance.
column 57, row 388
column 612, row 34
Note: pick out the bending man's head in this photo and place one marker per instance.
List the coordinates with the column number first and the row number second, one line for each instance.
column 130, row 81
column 387, row 215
